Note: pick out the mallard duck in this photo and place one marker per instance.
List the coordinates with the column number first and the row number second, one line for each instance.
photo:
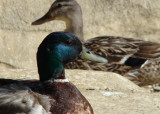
column 135, row 59
column 53, row 94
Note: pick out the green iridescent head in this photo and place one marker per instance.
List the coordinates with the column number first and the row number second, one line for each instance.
column 54, row 52
column 57, row 49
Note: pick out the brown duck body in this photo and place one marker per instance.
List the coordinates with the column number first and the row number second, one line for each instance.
column 44, row 98
column 126, row 56
column 137, row 60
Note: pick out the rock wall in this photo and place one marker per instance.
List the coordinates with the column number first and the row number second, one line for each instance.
column 19, row 40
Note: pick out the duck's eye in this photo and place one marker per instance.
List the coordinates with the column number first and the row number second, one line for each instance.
column 88, row 52
column 48, row 49
column 59, row 5
column 69, row 42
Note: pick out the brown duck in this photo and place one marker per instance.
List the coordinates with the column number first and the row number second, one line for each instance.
column 135, row 59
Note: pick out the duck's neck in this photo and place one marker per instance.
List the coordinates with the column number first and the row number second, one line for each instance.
column 51, row 70
column 74, row 25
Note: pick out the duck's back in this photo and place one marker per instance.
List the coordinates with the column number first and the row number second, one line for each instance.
column 135, row 59
column 34, row 97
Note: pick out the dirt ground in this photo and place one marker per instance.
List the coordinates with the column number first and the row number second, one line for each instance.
column 108, row 93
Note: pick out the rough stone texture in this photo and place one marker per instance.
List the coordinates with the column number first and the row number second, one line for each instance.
column 126, row 103
column 107, row 92
column 19, row 40
column 94, row 80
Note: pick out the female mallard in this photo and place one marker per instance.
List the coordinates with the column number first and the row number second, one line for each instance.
column 53, row 94
column 135, row 59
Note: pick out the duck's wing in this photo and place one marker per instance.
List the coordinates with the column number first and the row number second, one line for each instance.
column 122, row 53
column 135, row 59
column 90, row 65
column 17, row 97
column 119, row 50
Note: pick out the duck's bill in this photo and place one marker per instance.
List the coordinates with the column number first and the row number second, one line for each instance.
column 87, row 55
column 44, row 19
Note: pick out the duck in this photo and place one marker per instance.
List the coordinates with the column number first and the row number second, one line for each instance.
column 53, row 93
column 135, row 59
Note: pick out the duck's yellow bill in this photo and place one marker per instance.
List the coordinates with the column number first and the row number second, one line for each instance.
column 87, row 55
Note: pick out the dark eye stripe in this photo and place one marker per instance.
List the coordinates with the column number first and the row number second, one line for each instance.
column 59, row 5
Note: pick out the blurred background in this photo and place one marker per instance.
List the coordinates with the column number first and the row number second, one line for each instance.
column 19, row 40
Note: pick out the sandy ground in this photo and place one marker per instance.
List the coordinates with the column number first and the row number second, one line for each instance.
column 106, row 102
column 108, row 93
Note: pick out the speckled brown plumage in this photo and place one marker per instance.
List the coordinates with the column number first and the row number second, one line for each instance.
column 124, row 55
column 116, row 49
column 146, row 75
column 57, row 98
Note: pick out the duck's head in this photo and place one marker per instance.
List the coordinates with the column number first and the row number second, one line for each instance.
column 54, row 52
column 68, row 11
column 64, row 10
column 57, row 49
